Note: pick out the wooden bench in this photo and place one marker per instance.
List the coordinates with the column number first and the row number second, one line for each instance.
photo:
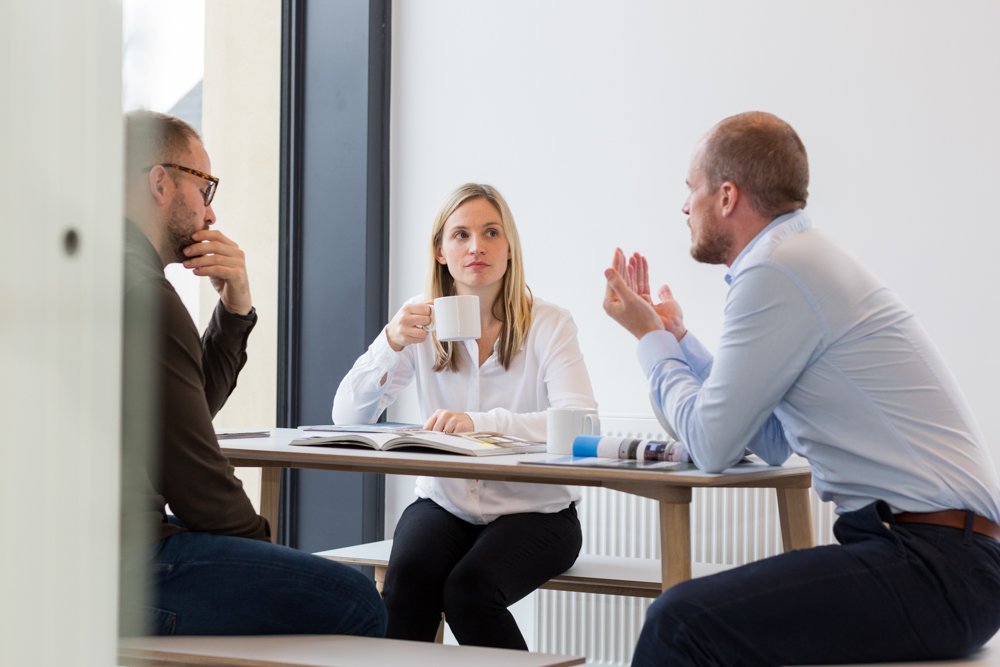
column 320, row 651
column 607, row 575
column 635, row 577
column 988, row 656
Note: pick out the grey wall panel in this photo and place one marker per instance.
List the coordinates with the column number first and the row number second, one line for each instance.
column 334, row 243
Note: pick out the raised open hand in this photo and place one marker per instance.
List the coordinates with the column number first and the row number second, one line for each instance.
column 633, row 275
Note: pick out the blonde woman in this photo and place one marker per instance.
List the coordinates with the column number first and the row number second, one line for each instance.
column 471, row 548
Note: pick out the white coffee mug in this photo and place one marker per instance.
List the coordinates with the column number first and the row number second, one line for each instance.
column 564, row 424
column 456, row 318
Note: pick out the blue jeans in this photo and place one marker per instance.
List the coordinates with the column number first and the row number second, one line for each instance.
column 886, row 592
column 204, row 584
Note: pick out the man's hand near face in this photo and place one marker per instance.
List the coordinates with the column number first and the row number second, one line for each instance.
column 215, row 255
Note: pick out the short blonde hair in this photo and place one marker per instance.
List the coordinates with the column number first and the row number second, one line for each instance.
column 512, row 306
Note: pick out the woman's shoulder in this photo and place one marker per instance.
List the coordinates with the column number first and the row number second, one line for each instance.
column 547, row 314
column 539, row 305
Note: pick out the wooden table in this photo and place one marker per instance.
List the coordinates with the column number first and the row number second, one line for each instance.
column 320, row 651
column 672, row 490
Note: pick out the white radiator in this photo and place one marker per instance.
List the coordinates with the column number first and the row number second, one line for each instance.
column 729, row 527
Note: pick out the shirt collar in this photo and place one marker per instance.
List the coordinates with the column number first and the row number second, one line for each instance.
column 782, row 226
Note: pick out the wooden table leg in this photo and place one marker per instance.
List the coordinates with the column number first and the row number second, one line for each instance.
column 675, row 540
column 795, row 517
column 675, row 527
column 270, row 497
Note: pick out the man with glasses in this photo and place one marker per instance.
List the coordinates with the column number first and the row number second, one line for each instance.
column 207, row 567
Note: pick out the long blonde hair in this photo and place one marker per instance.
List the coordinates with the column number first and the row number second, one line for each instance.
column 513, row 304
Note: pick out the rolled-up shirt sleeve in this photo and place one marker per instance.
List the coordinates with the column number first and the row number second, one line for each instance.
column 720, row 407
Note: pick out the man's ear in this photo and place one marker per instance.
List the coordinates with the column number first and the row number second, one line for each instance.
column 159, row 184
column 729, row 194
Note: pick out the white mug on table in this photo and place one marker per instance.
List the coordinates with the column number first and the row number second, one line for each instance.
column 564, row 424
column 455, row 318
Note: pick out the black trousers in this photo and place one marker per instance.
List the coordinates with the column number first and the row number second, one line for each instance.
column 472, row 573
column 886, row 592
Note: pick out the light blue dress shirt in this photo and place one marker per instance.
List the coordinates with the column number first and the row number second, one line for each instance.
column 819, row 358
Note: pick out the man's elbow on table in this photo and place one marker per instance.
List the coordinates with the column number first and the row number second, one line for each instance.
column 714, row 459
column 773, row 458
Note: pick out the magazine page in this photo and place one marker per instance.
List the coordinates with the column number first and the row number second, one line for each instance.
column 371, row 440
column 475, row 443
column 380, row 427
column 377, row 436
column 600, row 462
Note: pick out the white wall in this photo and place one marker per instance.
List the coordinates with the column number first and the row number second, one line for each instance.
column 584, row 113
column 60, row 332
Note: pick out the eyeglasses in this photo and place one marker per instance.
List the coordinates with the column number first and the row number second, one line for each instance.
column 213, row 182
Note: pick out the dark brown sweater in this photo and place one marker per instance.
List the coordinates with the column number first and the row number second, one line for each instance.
column 173, row 384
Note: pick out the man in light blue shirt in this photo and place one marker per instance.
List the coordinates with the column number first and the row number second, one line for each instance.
column 816, row 358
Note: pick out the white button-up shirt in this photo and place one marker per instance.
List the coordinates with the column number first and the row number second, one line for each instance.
column 547, row 372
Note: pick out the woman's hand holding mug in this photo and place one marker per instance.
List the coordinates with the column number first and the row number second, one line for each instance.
column 409, row 325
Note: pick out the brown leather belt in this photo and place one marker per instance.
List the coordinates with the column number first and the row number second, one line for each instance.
column 952, row 519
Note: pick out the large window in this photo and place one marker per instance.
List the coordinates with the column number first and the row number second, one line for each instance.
column 163, row 67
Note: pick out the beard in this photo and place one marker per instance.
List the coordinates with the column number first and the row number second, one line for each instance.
column 181, row 224
column 713, row 245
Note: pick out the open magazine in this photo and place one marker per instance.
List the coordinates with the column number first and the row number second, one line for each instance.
column 381, row 437
column 596, row 451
